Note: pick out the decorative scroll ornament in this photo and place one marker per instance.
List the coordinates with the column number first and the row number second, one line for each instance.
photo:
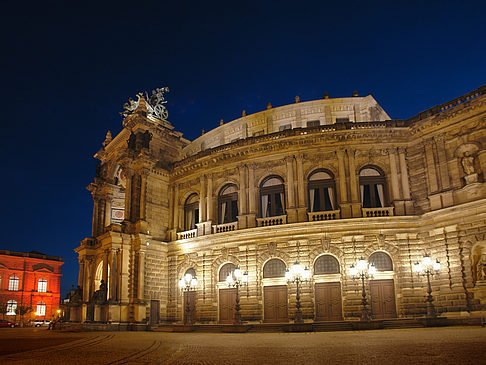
column 155, row 104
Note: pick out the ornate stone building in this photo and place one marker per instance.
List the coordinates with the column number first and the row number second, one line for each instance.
column 321, row 182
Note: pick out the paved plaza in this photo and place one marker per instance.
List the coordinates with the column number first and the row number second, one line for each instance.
column 450, row 345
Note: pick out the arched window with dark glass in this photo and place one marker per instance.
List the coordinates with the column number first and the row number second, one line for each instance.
column 372, row 188
column 272, row 197
column 191, row 271
column 326, row 264
column 228, row 204
column 274, row 268
column 191, row 212
column 321, row 191
column 381, row 261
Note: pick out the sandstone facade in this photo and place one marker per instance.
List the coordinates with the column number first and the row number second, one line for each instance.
column 317, row 182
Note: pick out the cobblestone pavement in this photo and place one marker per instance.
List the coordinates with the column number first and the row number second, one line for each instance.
column 450, row 345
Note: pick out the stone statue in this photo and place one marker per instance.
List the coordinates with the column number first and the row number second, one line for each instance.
column 99, row 296
column 468, row 163
column 154, row 103
column 130, row 106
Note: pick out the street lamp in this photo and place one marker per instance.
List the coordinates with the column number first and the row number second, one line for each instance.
column 363, row 270
column 236, row 279
column 188, row 283
column 298, row 274
column 428, row 268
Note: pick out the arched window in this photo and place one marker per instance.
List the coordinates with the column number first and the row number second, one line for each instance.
column 99, row 276
column 326, row 264
column 274, row 268
column 381, row 261
column 11, row 307
column 272, row 197
column 41, row 309
column 13, row 283
column 372, row 188
column 191, row 271
column 42, row 285
column 321, row 191
column 191, row 212
column 225, row 270
column 228, row 204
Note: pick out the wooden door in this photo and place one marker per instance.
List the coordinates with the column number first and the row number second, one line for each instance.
column 227, row 302
column 382, row 293
column 275, row 304
column 191, row 296
column 328, row 302
column 154, row 312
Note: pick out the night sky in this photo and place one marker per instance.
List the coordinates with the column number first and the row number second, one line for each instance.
column 67, row 70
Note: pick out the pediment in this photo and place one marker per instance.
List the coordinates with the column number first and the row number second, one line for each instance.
column 42, row 267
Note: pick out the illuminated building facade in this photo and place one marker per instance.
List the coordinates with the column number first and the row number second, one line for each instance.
column 322, row 183
column 30, row 280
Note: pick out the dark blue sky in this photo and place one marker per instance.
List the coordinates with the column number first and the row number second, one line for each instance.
column 66, row 72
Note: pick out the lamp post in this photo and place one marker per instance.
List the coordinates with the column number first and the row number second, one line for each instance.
column 361, row 271
column 236, row 279
column 297, row 274
column 187, row 284
column 428, row 268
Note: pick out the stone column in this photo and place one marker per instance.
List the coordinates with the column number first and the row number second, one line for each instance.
column 443, row 168
column 242, row 198
column 105, row 266
column 290, row 182
column 251, row 190
column 202, row 200
column 81, row 272
column 108, row 210
column 176, row 208
column 300, row 180
column 342, row 177
column 430, row 166
column 143, row 194
column 302, row 208
column 394, row 175
column 113, row 275
column 210, row 199
column 252, row 197
column 128, row 197
column 141, row 274
column 353, row 185
column 404, row 173
column 96, row 203
column 346, row 207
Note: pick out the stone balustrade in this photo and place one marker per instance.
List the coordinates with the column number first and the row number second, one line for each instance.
column 324, row 216
column 226, row 227
column 187, row 234
column 272, row 221
column 377, row 212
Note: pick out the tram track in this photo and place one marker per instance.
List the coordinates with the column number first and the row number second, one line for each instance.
column 76, row 344
column 138, row 354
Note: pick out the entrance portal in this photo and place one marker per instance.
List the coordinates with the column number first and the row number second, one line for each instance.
column 383, row 299
column 275, row 303
column 227, row 302
column 328, row 302
column 191, row 295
